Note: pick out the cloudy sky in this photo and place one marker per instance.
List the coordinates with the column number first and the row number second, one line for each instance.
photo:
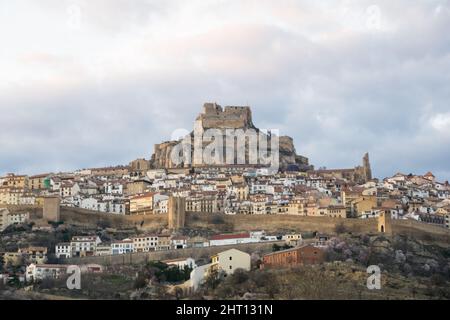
column 94, row 83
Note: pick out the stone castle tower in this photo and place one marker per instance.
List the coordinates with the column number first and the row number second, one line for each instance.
column 177, row 212
column 51, row 209
column 384, row 223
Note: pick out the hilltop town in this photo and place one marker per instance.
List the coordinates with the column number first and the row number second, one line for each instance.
column 192, row 221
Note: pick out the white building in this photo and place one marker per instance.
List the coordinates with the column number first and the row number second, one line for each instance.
column 84, row 245
column 8, row 218
column 181, row 263
column 63, row 250
column 42, row 271
column 178, row 242
column 160, row 203
column 231, row 239
column 122, row 246
column 230, row 260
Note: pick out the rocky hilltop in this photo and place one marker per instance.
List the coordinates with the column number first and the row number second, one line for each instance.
column 214, row 116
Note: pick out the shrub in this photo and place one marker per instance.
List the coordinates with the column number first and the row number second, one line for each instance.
column 340, row 228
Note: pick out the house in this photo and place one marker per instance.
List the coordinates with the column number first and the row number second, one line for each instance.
column 103, row 249
column 160, row 203
column 197, row 242
column 230, row 239
column 145, row 243
column 164, row 242
column 11, row 258
column 321, row 240
column 142, row 203
column 181, row 263
column 363, row 205
column 178, row 242
column 303, row 255
column 38, row 182
column 82, row 246
column 113, row 188
column 15, row 181
column 293, row 239
column 36, row 272
column 36, row 255
column 9, row 218
column 69, row 189
column 336, row 211
column 230, row 260
column 137, row 187
column 122, row 247
column 63, row 250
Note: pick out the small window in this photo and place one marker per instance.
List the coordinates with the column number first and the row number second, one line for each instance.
column 231, row 267
column 231, row 258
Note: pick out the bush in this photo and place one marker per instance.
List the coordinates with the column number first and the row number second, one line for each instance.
column 139, row 282
column 340, row 228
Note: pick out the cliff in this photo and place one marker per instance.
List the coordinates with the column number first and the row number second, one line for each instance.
column 213, row 116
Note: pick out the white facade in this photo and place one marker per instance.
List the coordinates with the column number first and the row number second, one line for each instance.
column 122, row 247
column 8, row 218
column 84, row 245
column 43, row 271
column 178, row 242
column 230, row 260
column 63, row 250
column 182, row 263
column 220, row 241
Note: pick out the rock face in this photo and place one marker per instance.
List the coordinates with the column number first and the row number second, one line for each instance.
column 214, row 116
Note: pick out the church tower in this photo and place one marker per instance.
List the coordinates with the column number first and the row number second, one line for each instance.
column 366, row 167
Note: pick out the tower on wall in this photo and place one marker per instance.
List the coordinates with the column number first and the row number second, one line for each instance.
column 51, row 210
column 384, row 222
column 177, row 212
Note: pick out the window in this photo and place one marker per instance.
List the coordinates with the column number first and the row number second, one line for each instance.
column 231, row 258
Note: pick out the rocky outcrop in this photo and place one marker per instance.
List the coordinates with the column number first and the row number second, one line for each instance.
column 214, row 116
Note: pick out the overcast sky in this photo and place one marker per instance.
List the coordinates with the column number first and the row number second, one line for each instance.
column 99, row 82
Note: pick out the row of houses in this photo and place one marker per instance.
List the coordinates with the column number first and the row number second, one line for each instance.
column 10, row 218
column 26, row 255
column 82, row 246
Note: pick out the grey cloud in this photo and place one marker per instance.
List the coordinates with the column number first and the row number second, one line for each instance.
column 358, row 92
